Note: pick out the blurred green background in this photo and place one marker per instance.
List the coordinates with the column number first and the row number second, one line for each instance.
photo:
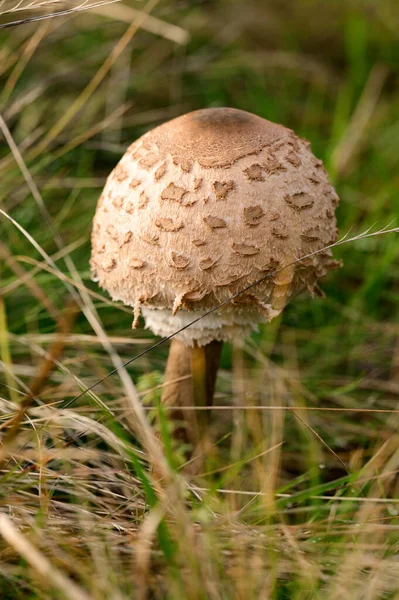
column 327, row 70
column 76, row 90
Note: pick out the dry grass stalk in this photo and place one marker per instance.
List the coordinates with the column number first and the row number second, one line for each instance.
column 39, row 562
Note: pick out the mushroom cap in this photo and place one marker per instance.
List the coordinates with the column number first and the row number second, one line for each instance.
column 201, row 207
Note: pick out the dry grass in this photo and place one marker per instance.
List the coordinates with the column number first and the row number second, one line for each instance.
column 298, row 498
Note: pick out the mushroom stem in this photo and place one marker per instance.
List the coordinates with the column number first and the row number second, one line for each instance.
column 190, row 378
column 178, row 391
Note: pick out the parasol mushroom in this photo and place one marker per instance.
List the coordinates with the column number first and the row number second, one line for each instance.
column 196, row 210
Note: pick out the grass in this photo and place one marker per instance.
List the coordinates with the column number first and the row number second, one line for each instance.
column 299, row 495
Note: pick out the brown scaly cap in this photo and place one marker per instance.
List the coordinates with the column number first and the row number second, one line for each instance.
column 205, row 204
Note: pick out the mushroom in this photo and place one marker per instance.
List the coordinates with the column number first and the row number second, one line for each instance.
column 198, row 209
